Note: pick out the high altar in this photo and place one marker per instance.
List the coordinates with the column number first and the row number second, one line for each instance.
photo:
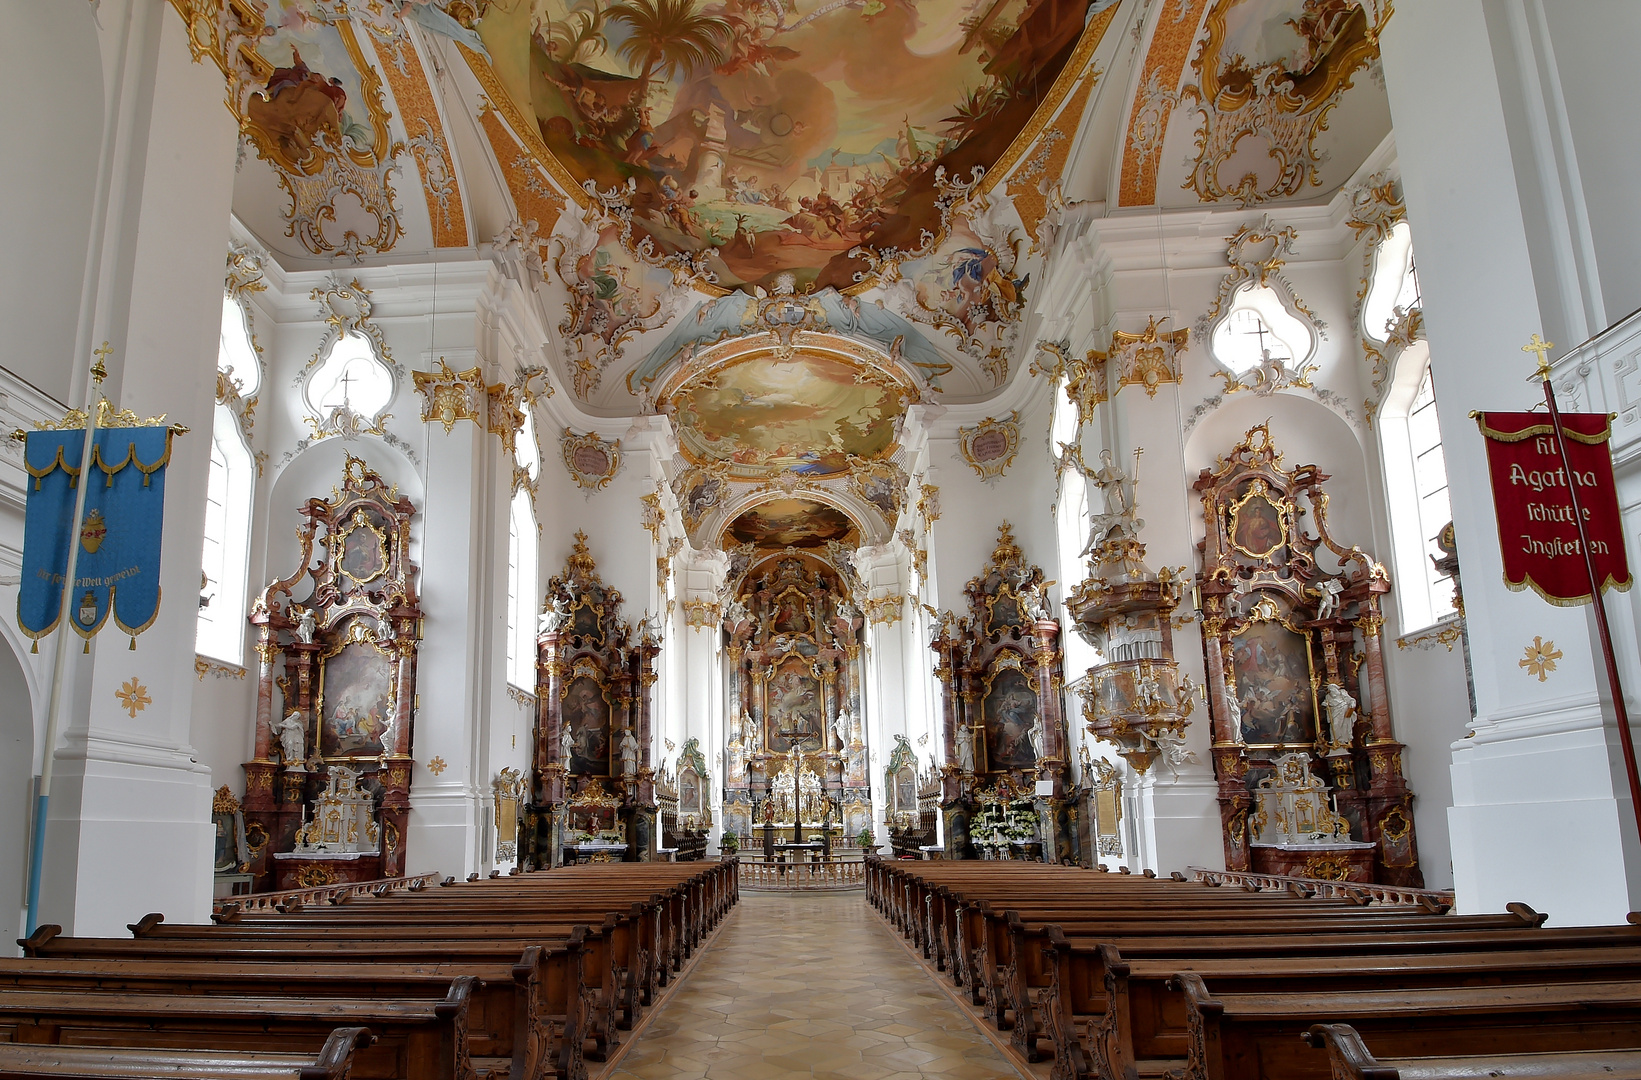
column 793, row 635
column 594, row 784
column 336, row 725
column 1001, row 676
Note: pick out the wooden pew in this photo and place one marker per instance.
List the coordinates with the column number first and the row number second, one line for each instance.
column 333, row 1062
column 416, row 1039
column 1254, row 1036
column 1349, row 1059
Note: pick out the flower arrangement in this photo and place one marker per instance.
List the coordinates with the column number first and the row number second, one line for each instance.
column 729, row 842
column 864, row 838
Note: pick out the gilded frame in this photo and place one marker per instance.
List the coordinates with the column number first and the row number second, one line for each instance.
column 1265, row 614
column 358, row 633
column 356, row 521
column 1259, row 489
column 1005, row 661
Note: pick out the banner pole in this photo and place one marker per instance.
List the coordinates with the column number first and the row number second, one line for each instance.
column 42, row 794
column 1625, row 739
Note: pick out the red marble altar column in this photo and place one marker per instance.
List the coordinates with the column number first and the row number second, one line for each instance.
column 1052, row 763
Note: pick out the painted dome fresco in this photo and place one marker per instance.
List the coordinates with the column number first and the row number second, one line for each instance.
column 757, row 138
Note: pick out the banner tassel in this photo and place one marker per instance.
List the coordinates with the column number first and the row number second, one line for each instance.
column 133, row 645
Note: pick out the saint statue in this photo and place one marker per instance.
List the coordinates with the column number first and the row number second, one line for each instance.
column 390, row 732
column 842, row 725
column 629, row 753
column 1030, row 594
column 965, row 749
column 1037, row 736
column 566, row 745
column 291, row 738
column 1148, row 693
column 1341, row 709
column 1233, row 712
column 649, row 632
column 305, row 627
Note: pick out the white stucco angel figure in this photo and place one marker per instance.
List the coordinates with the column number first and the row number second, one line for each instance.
column 1148, row 693
column 1341, row 708
column 1171, row 747
column 1030, row 594
column 306, row 625
column 965, row 749
column 291, row 738
column 629, row 753
column 1328, row 604
column 735, row 612
column 1182, row 696
column 558, row 617
column 566, row 745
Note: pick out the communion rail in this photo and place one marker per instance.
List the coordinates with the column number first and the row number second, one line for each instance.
column 1440, row 901
column 278, row 901
column 801, row 877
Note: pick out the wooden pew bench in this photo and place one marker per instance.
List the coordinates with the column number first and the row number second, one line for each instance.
column 1350, row 1059
column 1111, row 1014
column 333, row 1062
column 416, row 1039
column 531, row 1003
column 1254, row 1036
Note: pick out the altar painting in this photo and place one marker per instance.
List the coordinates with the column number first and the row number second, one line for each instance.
column 586, row 621
column 794, row 712
column 791, row 614
column 1272, row 665
column 1009, row 709
column 1258, row 527
column 356, row 702
column 1003, row 611
column 363, row 556
column 585, row 709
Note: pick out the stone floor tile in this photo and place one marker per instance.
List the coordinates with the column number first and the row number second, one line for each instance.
column 808, row 986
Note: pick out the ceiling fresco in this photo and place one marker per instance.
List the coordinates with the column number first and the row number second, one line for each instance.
column 784, row 523
column 807, row 414
column 761, row 137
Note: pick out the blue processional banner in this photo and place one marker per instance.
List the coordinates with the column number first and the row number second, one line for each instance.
column 118, row 572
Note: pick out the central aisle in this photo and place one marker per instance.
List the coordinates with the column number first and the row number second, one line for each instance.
column 809, row 985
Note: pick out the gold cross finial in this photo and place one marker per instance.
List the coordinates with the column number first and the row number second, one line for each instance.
column 1539, row 346
column 99, row 369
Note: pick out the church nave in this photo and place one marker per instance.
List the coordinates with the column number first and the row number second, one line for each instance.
column 815, row 984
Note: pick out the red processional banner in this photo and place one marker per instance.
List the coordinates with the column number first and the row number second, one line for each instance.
column 1538, row 535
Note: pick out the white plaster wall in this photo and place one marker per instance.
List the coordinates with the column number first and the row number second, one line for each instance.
column 51, row 78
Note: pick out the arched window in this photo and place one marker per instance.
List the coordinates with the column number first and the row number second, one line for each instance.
column 1416, row 485
column 1394, row 285
column 521, row 594
column 1256, row 323
column 220, row 631
column 352, row 378
column 1070, row 515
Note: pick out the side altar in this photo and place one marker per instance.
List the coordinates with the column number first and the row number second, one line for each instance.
column 333, row 727
column 1309, row 769
column 593, row 791
column 1002, row 680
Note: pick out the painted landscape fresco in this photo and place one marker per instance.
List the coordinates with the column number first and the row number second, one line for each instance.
column 784, row 132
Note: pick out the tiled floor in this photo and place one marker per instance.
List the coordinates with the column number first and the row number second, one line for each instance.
column 809, row 985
